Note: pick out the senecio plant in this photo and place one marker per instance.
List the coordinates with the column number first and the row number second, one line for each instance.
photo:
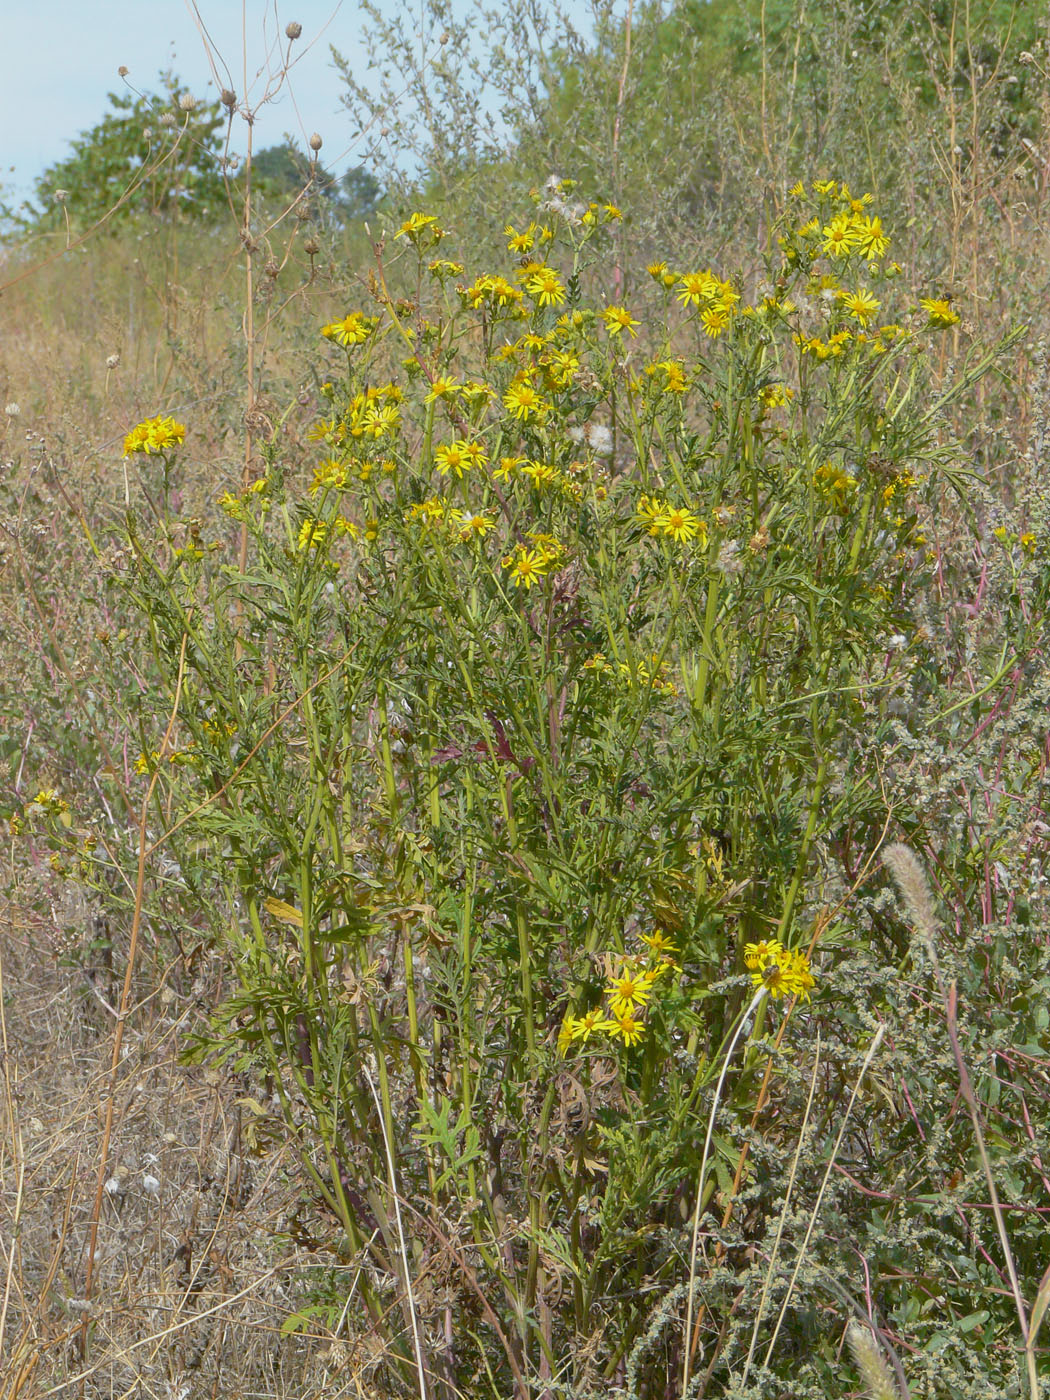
column 512, row 764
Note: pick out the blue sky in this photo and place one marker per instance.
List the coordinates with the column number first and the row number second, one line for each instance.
column 59, row 59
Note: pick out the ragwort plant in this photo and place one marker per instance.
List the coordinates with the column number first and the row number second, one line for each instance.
column 506, row 767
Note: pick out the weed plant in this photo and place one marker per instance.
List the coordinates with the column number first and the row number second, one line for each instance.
column 507, row 769
column 500, row 770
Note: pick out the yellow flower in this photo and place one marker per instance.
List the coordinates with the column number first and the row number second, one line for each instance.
column 629, row 990
column 154, row 435
column 697, row 287
column 840, row 237
column 680, row 525
column 545, row 287
column 659, row 943
column 939, row 312
column 757, row 954
column 459, row 456
column 353, row 329
column 526, row 566
column 493, row 289
column 417, row 225
column 674, row 375
column 871, row 241
column 585, row 1025
column 380, row 418
column 443, row 387
column 507, row 467
column 312, row 534
column 618, row 319
column 521, row 242
column 524, row 401
column 714, row 320
column 860, row 304
column 625, row 1026
column 329, row 475
column 474, row 527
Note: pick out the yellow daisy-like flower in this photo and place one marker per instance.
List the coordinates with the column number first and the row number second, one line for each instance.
column 658, row 942
column 473, row 527
column 526, row 567
column 625, row 1026
column 714, row 320
column 784, row 972
column 545, row 287
column 697, row 287
column 379, row 419
column 154, row 435
column 680, row 525
column 312, row 534
column 416, row 225
column 523, row 400
column 459, row 456
column 673, row 372
column 618, row 319
column 443, row 387
column 353, row 329
column 584, row 1026
column 871, row 241
column 756, row 954
column 649, row 511
column 840, row 237
column 495, row 290
column 629, row 990
column 861, row 305
column 507, row 467
column 329, row 475
column 521, row 242
column 939, row 312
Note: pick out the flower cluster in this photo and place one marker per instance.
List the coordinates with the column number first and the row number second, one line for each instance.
column 782, row 971
column 154, row 435
column 629, row 986
column 678, row 523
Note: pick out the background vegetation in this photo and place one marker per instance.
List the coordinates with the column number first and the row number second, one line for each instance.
column 327, row 826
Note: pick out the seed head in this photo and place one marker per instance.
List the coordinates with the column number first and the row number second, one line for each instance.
column 123, row 71
column 168, row 119
column 12, row 410
column 228, row 99
column 293, row 29
column 187, row 102
column 871, row 1363
column 316, row 142
column 112, row 361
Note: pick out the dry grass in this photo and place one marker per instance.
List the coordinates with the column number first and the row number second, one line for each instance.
column 198, row 1265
